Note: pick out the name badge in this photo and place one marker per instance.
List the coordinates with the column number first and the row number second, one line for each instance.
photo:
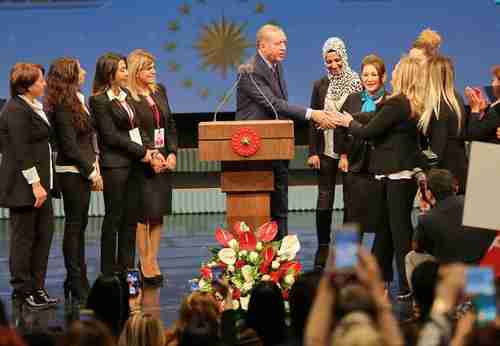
column 159, row 138
column 135, row 136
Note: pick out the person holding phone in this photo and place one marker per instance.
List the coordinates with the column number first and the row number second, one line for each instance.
column 26, row 181
column 76, row 166
column 152, row 181
column 394, row 160
column 362, row 194
column 325, row 147
column 121, row 143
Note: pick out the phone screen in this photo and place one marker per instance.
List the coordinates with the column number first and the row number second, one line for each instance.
column 480, row 287
column 217, row 273
column 346, row 246
column 134, row 281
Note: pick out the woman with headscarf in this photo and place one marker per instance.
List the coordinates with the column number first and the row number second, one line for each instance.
column 329, row 93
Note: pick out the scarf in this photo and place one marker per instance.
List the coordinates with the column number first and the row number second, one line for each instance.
column 368, row 100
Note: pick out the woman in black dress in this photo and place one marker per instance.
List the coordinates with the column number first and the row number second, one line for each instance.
column 76, row 166
column 443, row 120
column 152, row 181
column 329, row 93
column 394, row 160
column 362, row 194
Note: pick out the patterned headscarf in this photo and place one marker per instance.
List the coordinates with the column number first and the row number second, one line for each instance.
column 345, row 82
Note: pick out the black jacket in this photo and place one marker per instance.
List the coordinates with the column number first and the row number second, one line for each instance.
column 316, row 136
column 113, row 126
column 484, row 129
column 251, row 104
column 25, row 139
column 441, row 234
column 394, row 135
column 75, row 146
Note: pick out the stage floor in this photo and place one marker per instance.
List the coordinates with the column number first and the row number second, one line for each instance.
column 184, row 246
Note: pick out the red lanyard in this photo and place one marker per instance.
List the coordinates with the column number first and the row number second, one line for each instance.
column 154, row 109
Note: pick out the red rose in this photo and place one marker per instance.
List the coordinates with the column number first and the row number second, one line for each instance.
column 285, row 294
column 240, row 263
column 236, row 293
column 206, row 273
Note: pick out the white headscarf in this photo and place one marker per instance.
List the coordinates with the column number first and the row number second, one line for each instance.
column 345, row 82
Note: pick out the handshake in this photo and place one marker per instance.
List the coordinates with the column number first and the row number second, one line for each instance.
column 158, row 162
column 330, row 119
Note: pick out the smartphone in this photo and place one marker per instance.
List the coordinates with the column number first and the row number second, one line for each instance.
column 217, row 273
column 344, row 252
column 134, row 281
column 480, row 287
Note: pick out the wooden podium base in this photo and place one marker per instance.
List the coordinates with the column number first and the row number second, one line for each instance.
column 252, row 208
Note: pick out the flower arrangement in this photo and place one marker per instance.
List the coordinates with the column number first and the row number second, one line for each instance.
column 247, row 258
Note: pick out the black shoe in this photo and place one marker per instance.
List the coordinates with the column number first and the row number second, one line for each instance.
column 321, row 257
column 44, row 296
column 34, row 302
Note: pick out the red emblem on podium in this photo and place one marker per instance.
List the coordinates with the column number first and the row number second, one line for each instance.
column 245, row 142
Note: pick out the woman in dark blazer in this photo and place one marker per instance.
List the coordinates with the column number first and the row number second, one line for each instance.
column 443, row 121
column 152, row 181
column 325, row 148
column 394, row 161
column 76, row 166
column 26, row 180
column 120, row 145
column 362, row 193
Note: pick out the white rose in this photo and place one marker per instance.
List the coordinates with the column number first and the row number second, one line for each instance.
column 275, row 265
column 287, row 306
column 289, row 279
column 244, row 302
column 254, row 257
column 227, row 256
column 233, row 244
column 230, row 268
column 236, row 304
column 259, row 246
column 243, row 253
column 247, row 272
column 247, row 286
column 266, row 277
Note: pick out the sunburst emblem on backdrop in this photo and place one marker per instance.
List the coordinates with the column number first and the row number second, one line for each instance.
column 216, row 33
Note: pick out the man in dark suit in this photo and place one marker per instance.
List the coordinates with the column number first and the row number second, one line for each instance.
column 440, row 235
column 262, row 95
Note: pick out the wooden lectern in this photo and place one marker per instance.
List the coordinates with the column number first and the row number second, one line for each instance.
column 246, row 150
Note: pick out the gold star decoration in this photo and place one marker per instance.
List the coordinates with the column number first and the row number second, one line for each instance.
column 259, row 8
column 174, row 25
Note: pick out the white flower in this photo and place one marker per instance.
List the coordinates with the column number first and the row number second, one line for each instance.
column 283, row 258
column 211, row 264
column 236, row 304
column 289, row 279
column 204, row 285
column 230, row 268
column 259, row 246
column 247, row 286
column 275, row 265
column 244, row 302
column 227, row 256
column 290, row 245
column 243, row 253
column 233, row 244
column 266, row 277
column 247, row 272
column 254, row 257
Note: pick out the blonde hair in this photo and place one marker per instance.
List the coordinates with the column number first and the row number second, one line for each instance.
column 429, row 41
column 137, row 61
column 356, row 329
column 264, row 30
column 142, row 330
column 408, row 81
column 441, row 86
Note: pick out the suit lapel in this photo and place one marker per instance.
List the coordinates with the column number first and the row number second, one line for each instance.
column 34, row 114
column 268, row 75
column 281, row 81
column 120, row 113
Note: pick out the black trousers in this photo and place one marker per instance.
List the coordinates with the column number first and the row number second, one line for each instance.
column 31, row 235
column 327, row 177
column 279, row 197
column 119, row 225
column 393, row 237
column 76, row 197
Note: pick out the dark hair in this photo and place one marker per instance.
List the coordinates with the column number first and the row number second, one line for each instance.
column 301, row 298
column 441, row 183
column 62, row 90
column 199, row 332
column 41, row 338
column 423, row 281
column 109, row 299
column 22, row 76
column 87, row 333
column 266, row 312
column 105, row 71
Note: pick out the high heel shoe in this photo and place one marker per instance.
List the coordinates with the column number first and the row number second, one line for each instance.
column 149, row 280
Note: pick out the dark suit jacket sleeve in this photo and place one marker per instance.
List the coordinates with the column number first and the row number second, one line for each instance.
column 313, row 132
column 109, row 133
column 482, row 129
column 67, row 140
column 438, row 133
column 390, row 114
column 170, row 127
column 282, row 107
column 19, row 125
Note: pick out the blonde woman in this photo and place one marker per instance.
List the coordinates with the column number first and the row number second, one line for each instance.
column 394, row 161
column 149, row 99
column 142, row 330
column 443, row 119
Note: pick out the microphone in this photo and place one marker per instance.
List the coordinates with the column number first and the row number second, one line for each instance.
column 227, row 96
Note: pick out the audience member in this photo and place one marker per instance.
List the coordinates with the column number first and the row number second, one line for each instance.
column 87, row 333
column 142, row 330
column 9, row 337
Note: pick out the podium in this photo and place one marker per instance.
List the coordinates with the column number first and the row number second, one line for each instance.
column 246, row 150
